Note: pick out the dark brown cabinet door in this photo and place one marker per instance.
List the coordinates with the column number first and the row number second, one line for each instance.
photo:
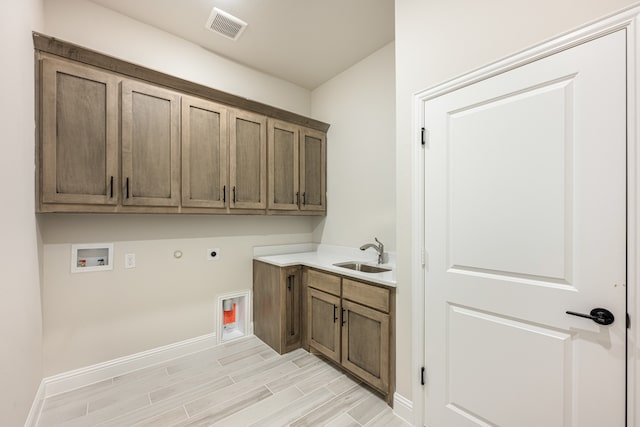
column 150, row 145
column 313, row 170
column 247, row 160
column 79, row 134
column 323, row 323
column 365, row 344
column 283, row 165
column 292, row 290
column 204, row 153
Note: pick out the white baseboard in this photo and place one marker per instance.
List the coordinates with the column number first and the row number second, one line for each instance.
column 36, row 407
column 403, row 407
column 71, row 380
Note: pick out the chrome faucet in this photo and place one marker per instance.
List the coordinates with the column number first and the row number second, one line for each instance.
column 379, row 248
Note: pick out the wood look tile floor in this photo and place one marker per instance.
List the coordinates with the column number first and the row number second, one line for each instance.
column 240, row 383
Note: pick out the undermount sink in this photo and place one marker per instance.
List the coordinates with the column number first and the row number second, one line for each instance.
column 364, row 268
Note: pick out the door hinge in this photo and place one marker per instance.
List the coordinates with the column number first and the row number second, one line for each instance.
column 422, row 136
column 422, row 375
column 628, row 321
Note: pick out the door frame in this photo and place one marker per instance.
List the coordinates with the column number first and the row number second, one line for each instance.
column 628, row 19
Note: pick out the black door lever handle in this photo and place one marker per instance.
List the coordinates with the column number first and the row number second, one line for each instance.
column 601, row 316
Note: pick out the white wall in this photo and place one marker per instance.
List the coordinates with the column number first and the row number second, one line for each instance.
column 92, row 317
column 98, row 316
column 436, row 41
column 20, row 310
column 360, row 105
column 95, row 27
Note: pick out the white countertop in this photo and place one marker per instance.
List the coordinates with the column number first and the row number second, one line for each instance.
column 323, row 257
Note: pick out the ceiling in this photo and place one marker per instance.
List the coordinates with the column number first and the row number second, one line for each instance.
column 305, row 42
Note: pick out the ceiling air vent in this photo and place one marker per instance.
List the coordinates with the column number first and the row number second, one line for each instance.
column 225, row 24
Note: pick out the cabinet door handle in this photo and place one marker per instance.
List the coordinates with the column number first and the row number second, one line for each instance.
column 234, row 194
column 344, row 318
column 297, row 198
column 224, row 194
column 111, row 187
column 304, row 198
column 335, row 315
column 127, row 187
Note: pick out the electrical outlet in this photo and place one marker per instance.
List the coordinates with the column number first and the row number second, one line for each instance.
column 213, row 254
column 129, row 260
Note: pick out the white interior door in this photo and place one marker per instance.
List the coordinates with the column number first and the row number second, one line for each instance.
column 525, row 202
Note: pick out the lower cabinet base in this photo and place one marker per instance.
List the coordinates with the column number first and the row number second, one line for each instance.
column 347, row 322
column 352, row 323
column 276, row 306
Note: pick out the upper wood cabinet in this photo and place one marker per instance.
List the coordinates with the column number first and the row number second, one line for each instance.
column 79, row 134
column 297, row 167
column 205, row 145
column 313, row 170
column 116, row 137
column 150, row 145
column 283, row 165
column 247, row 160
column 224, row 154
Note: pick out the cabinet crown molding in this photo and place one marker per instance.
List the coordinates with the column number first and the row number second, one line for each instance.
column 64, row 49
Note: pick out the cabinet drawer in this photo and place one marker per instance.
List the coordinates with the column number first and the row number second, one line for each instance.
column 368, row 295
column 324, row 282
